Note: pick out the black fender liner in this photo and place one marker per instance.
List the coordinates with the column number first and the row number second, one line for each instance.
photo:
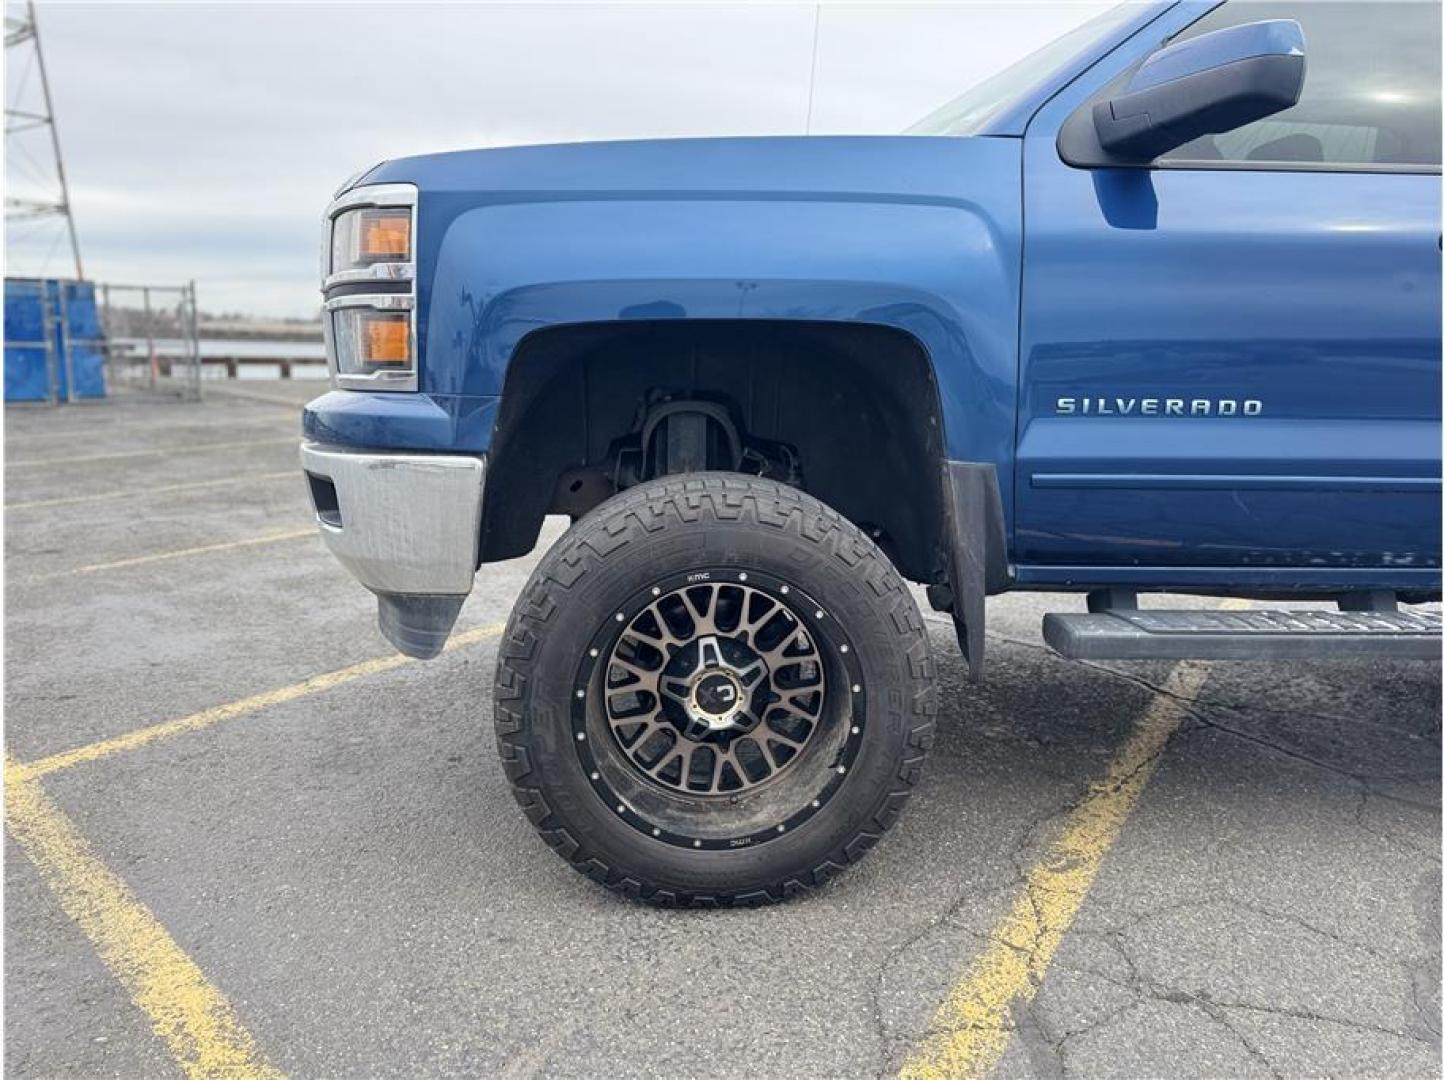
column 977, row 551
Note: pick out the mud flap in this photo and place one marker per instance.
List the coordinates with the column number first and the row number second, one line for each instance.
column 977, row 552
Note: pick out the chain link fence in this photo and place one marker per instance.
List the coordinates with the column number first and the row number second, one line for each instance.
column 152, row 339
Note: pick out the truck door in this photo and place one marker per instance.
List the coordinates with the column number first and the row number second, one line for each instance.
column 1232, row 358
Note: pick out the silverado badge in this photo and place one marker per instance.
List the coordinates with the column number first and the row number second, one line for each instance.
column 1152, row 406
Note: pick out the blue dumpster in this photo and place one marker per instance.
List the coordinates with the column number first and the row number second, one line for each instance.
column 53, row 337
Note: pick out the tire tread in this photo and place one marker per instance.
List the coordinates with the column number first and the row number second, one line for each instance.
column 635, row 517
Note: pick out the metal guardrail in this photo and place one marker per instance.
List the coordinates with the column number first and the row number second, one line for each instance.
column 233, row 364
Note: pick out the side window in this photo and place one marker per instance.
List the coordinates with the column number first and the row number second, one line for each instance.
column 1371, row 91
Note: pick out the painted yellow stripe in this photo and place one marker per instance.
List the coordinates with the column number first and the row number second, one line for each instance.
column 181, row 553
column 126, row 455
column 197, row 1023
column 135, row 493
column 971, row 1028
column 220, row 713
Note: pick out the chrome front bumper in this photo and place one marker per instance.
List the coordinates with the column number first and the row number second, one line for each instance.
column 408, row 527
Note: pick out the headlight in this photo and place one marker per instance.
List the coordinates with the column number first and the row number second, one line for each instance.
column 369, row 281
column 371, row 341
column 361, row 239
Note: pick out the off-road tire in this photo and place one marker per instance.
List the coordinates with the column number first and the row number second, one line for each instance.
column 669, row 527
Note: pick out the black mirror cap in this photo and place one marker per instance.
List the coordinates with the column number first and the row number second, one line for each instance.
column 1136, row 128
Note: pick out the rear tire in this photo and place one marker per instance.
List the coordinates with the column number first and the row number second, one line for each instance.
column 713, row 690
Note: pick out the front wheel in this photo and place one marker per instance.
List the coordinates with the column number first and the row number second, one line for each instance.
column 714, row 689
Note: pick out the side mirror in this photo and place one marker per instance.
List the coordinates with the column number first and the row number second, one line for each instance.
column 1206, row 85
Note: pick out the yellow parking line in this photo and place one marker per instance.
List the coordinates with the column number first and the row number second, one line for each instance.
column 161, row 556
column 224, row 481
column 219, row 713
column 123, row 455
column 198, row 1024
column 971, row 1028
column 185, row 1009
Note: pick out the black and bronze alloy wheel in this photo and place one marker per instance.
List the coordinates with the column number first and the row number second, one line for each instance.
column 713, row 689
column 715, row 728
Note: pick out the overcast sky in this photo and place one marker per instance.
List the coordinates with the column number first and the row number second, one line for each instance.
column 203, row 141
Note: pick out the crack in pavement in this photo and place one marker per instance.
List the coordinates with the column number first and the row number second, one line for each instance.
column 1148, row 989
column 1030, row 1021
column 1197, row 709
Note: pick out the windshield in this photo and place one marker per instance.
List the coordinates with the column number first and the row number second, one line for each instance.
column 965, row 114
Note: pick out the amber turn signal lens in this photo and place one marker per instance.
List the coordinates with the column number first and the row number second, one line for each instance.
column 387, row 340
column 386, row 234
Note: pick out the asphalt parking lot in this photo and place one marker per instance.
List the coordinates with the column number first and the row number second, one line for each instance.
column 1140, row 870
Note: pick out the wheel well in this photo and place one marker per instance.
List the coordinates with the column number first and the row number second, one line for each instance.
column 848, row 412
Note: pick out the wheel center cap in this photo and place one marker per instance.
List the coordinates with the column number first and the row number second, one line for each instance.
column 716, row 694
column 717, row 699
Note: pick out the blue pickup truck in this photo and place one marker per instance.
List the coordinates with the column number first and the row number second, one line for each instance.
column 1157, row 309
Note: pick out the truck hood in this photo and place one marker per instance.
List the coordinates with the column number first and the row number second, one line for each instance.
column 907, row 168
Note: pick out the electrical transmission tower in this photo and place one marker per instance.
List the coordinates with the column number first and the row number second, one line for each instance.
column 35, row 194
